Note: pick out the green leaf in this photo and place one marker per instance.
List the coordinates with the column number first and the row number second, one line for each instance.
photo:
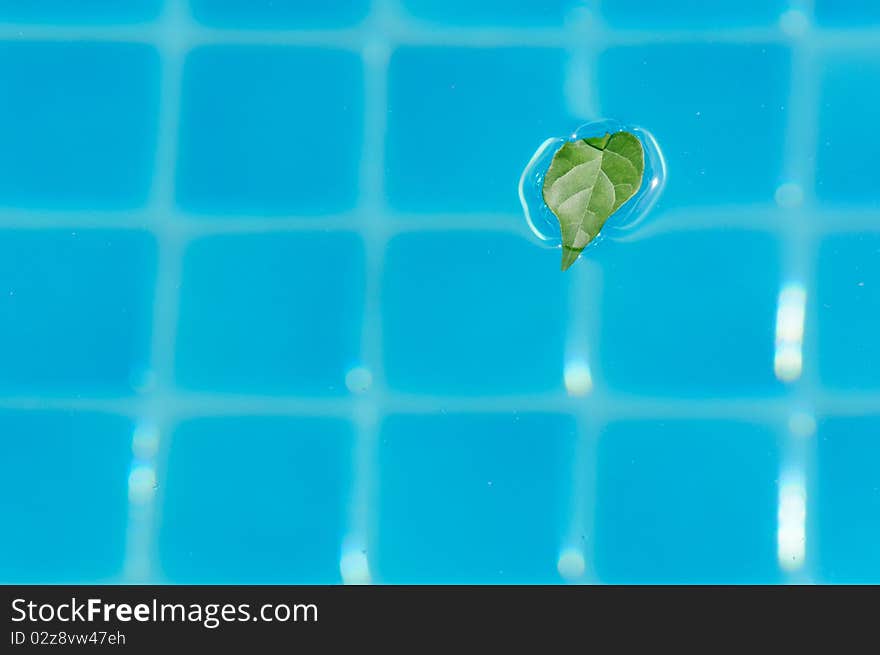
column 588, row 180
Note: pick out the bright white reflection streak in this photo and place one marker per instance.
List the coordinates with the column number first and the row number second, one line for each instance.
column 788, row 359
column 791, row 529
column 354, row 565
column 578, row 380
column 571, row 564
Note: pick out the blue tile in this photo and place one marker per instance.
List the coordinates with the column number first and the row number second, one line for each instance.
column 81, row 11
column 63, row 496
column 847, row 518
column 463, row 123
column 711, row 294
column 847, row 13
column 270, row 130
column 522, row 13
column 691, row 98
column 845, row 166
column 849, row 323
column 473, row 498
column 78, row 124
column 279, row 13
column 255, row 500
column 686, row 502
column 75, row 310
column 649, row 14
column 270, row 313
column 472, row 313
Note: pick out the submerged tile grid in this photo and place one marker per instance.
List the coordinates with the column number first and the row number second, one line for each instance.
column 390, row 389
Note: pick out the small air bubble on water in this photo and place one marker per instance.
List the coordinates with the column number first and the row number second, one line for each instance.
column 571, row 564
column 359, row 379
column 789, row 195
column 802, row 424
column 794, row 22
column 544, row 224
column 141, row 484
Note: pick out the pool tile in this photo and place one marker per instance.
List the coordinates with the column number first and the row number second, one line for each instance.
column 846, row 523
column 845, row 163
column 254, row 500
column 848, row 299
column 81, row 11
column 75, row 310
column 521, row 13
column 687, row 292
column 463, row 123
column 719, row 14
column 254, row 139
column 710, row 132
column 78, row 124
column 847, row 13
column 467, row 313
column 63, row 496
column 270, row 313
column 686, row 502
column 472, row 498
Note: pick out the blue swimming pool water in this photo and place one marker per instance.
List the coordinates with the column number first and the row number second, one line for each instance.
column 270, row 310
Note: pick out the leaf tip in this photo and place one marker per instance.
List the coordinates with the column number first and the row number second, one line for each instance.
column 569, row 257
column 599, row 142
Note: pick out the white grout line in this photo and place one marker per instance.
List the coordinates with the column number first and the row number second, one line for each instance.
column 615, row 405
column 355, row 557
column 576, row 553
column 400, row 30
column 810, row 222
column 794, row 359
column 153, row 420
column 589, row 406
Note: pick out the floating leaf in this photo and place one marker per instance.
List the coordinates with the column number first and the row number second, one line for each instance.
column 588, row 180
